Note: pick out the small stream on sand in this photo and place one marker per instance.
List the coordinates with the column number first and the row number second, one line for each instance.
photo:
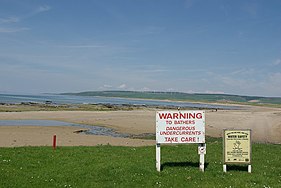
column 85, row 129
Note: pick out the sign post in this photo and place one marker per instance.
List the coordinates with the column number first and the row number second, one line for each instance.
column 180, row 127
column 237, row 147
column 158, row 158
column 202, row 152
column 54, row 142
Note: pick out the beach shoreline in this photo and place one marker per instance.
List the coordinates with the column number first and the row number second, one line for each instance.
column 265, row 123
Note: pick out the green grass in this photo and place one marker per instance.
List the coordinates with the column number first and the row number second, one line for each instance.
column 108, row 166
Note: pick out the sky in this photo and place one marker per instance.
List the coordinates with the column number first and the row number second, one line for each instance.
column 193, row 46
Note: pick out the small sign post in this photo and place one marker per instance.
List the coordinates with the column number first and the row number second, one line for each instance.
column 237, row 147
column 54, row 142
column 180, row 127
column 202, row 152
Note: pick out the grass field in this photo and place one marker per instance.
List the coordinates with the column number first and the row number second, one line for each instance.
column 108, row 166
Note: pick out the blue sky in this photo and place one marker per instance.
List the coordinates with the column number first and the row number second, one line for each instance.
column 205, row 46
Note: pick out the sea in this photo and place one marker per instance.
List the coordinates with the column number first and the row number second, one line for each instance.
column 72, row 99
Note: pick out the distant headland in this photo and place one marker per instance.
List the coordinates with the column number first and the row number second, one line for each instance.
column 191, row 97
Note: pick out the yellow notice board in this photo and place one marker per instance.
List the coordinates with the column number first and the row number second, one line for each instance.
column 237, row 146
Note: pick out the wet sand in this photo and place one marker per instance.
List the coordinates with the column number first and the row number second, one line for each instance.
column 66, row 136
column 265, row 123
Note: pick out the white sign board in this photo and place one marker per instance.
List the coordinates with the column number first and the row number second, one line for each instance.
column 180, row 127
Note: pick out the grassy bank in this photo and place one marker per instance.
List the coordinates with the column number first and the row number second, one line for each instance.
column 107, row 166
column 65, row 107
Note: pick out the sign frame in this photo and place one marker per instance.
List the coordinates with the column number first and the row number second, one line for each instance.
column 191, row 127
column 240, row 140
column 172, row 116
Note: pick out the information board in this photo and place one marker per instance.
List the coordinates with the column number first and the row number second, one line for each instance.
column 237, row 146
column 180, row 127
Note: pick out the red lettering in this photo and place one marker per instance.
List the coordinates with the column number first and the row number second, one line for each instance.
column 192, row 116
column 180, row 115
column 171, row 139
column 199, row 116
column 183, row 116
column 162, row 116
column 188, row 139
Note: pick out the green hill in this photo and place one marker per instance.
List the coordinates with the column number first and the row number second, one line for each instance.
column 221, row 98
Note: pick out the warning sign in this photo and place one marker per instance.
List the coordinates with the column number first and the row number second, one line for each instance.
column 237, row 146
column 180, row 127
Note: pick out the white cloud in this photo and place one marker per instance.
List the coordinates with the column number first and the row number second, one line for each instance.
column 105, row 86
column 266, row 85
column 122, row 86
column 272, row 84
column 154, row 70
column 170, row 89
column 14, row 19
column 214, row 92
column 43, row 8
column 9, row 20
column 81, row 46
column 244, row 71
column 145, row 89
column 275, row 81
column 277, row 62
column 36, row 11
column 188, row 3
column 13, row 30
column 251, row 8
column 144, row 31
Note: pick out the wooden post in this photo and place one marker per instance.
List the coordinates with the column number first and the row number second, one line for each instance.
column 158, row 157
column 54, row 142
column 250, row 168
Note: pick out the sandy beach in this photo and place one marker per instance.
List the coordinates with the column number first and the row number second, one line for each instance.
column 265, row 123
